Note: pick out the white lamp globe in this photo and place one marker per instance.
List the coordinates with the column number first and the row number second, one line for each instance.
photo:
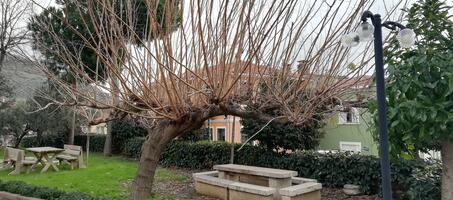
column 350, row 40
column 406, row 38
column 365, row 31
column 84, row 129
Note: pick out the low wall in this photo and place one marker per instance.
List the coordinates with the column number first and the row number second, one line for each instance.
column 11, row 196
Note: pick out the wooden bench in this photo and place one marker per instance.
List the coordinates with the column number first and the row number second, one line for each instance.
column 16, row 157
column 71, row 155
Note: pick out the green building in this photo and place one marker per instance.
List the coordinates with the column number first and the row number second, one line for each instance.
column 349, row 131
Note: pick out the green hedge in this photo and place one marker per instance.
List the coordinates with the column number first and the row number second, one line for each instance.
column 21, row 188
column 53, row 140
column 411, row 179
column 133, row 147
column 96, row 142
column 122, row 131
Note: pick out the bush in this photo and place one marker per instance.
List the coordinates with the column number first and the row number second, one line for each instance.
column 96, row 142
column 122, row 131
column 21, row 188
column 425, row 183
column 133, row 147
column 284, row 136
column 195, row 135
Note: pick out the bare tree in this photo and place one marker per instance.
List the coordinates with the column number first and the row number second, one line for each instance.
column 219, row 59
column 13, row 31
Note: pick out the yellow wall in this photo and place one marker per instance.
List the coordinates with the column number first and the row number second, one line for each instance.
column 227, row 123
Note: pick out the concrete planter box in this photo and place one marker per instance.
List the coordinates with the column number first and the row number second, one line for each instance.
column 210, row 184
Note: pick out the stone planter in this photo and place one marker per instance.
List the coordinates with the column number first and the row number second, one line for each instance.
column 351, row 189
column 209, row 184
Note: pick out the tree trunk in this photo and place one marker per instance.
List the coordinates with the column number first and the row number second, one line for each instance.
column 115, row 99
column 447, row 170
column 19, row 139
column 2, row 58
column 73, row 120
column 232, row 141
column 108, row 140
column 72, row 132
column 151, row 150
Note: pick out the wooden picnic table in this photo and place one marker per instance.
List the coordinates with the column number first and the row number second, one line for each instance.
column 45, row 156
column 269, row 177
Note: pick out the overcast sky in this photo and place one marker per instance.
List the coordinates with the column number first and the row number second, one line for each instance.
column 380, row 6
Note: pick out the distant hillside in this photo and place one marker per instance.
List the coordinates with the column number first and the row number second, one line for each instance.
column 24, row 77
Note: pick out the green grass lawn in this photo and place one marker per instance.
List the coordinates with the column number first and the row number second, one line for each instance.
column 108, row 177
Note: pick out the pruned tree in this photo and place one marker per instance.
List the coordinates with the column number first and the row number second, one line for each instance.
column 13, row 31
column 212, row 64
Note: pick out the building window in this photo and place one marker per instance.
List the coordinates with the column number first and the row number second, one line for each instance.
column 243, row 136
column 221, row 131
column 350, row 117
column 350, row 146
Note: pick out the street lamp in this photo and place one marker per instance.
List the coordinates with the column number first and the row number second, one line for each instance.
column 406, row 38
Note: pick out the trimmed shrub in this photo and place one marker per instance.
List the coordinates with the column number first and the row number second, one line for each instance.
column 52, row 140
column 21, row 188
column 96, row 142
column 284, row 136
column 195, row 135
column 200, row 155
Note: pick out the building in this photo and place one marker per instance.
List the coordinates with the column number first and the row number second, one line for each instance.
column 99, row 129
column 225, row 128
column 349, row 131
column 344, row 131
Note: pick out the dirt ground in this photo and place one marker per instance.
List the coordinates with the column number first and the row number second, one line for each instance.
column 185, row 191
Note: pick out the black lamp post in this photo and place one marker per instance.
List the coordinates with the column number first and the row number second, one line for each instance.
column 406, row 38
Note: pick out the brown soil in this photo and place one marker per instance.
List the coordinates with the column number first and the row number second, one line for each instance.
column 338, row 194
